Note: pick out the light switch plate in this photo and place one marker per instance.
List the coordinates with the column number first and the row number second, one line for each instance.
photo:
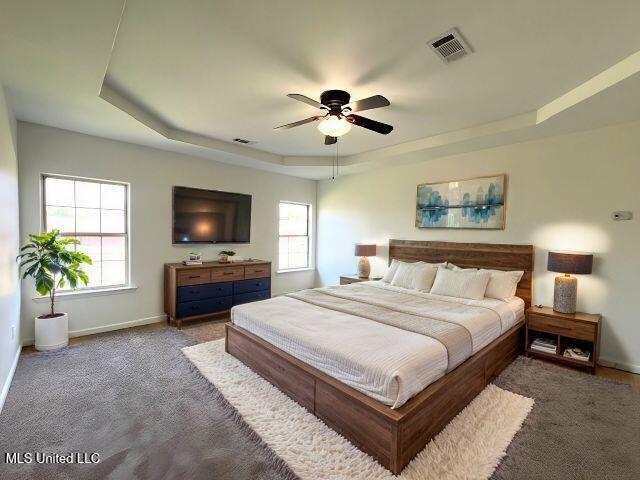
column 622, row 215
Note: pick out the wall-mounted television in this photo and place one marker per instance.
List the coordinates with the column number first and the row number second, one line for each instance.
column 210, row 216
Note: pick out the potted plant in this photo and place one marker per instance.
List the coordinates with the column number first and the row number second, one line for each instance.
column 223, row 256
column 47, row 259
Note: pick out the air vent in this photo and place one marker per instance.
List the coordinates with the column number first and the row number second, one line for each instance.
column 243, row 141
column 450, row 46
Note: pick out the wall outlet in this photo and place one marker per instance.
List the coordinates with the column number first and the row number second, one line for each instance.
column 622, row 215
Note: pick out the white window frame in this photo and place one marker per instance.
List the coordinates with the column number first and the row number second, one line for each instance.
column 308, row 235
column 126, row 234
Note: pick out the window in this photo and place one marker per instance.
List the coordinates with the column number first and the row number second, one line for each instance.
column 94, row 212
column 294, row 236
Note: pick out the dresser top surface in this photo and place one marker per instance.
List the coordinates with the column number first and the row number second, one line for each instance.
column 245, row 263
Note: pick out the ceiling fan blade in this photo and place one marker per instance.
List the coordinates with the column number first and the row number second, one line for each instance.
column 307, row 100
column 296, row 124
column 376, row 101
column 330, row 140
column 379, row 127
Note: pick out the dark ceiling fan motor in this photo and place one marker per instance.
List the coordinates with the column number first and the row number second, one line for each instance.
column 335, row 100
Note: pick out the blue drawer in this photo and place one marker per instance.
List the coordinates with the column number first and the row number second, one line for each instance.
column 241, row 298
column 208, row 290
column 201, row 307
column 254, row 285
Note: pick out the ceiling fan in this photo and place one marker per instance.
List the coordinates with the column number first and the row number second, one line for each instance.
column 339, row 114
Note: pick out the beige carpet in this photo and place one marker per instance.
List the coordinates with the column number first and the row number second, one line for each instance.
column 470, row 447
column 206, row 330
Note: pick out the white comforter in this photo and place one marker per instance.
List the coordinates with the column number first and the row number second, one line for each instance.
column 386, row 363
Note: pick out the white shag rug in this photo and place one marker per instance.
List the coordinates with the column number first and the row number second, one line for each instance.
column 470, row 447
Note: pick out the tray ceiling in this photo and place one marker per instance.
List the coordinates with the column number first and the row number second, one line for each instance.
column 203, row 73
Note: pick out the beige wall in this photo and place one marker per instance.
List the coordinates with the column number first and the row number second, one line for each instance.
column 9, row 283
column 151, row 173
column 561, row 194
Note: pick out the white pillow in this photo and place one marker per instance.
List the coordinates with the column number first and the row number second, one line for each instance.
column 460, row 283
column 416, row 276
column 456, row 268
column 393, row 268
column 502, row 285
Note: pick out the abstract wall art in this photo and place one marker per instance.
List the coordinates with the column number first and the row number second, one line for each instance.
column 472, row 203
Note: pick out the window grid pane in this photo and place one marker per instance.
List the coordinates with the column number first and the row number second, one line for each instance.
column 87, row 194
column 293, row 248
column 87, row 220
column 61, row 218
column 294, row 219
column 95, row 213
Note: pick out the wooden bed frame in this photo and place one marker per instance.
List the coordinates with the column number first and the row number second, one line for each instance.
column 394, row 437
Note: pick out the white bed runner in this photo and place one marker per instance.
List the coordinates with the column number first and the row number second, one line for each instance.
column 470, row 447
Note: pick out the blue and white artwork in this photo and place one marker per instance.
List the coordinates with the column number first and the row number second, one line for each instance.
column 474, row 203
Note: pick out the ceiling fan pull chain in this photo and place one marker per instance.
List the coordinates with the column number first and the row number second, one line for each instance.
column 333, row 169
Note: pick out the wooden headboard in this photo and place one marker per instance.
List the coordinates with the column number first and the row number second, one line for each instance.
column 495, row 256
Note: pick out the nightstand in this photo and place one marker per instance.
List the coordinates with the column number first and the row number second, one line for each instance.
column 567, row 330
column 347, row 279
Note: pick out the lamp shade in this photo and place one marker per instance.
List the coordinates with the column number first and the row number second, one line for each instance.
column 365, row 251
column 569, row 262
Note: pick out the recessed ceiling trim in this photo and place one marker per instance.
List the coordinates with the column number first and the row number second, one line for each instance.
column 455, row 139
column 148, row 119
column 115, row 98
column 612, row 75
column 309, row 161
column 458, row 136
column 222, row 146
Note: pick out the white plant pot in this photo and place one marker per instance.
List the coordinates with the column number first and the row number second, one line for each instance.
column 52, row 333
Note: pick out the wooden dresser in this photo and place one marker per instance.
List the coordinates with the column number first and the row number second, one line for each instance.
column 198, row 291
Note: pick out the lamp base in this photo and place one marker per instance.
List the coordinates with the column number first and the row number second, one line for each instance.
column 565, row 294
column 364, row 267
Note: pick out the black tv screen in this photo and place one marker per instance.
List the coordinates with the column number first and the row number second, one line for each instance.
column 209, row 216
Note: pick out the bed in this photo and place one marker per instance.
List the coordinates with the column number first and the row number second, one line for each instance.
column 380, row 383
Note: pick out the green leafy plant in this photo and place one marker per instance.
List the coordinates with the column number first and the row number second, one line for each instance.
column 47, row 259
column 228, row 253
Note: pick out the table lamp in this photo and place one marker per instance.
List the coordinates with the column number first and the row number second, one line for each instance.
column 364, row 251
column 566, row 286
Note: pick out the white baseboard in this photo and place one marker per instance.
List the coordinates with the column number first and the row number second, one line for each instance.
column 627, row 367
column 108, row 328
column 7, row 382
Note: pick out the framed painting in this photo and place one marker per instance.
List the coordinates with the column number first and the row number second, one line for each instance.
column 470, row 203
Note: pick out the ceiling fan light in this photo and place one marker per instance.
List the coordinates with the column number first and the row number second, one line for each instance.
column 334, row 126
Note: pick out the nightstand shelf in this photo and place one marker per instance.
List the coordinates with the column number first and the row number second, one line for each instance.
column 561, row 358
column 347, row 279
column 568, row 330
